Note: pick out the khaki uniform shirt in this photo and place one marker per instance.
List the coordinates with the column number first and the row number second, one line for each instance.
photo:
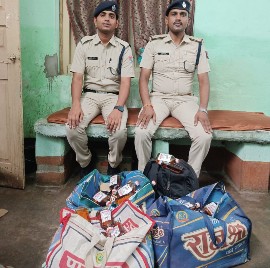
column 99, row 63
column 173, row 67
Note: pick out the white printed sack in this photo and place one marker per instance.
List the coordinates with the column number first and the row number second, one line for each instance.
column 79, row 244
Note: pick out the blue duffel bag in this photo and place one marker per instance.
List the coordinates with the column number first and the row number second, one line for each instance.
column 87, row 187
column 185, row 236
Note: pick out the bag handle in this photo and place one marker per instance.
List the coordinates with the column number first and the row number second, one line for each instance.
column 171, row 219
column 208, row 224
column 203, row 196
column 210, row 228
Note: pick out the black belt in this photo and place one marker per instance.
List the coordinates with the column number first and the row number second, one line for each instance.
column 98, row 91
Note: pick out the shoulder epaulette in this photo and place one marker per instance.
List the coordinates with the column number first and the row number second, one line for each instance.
column 122, row 42
column 196, row 39
column 159, row 36
column 87, row 39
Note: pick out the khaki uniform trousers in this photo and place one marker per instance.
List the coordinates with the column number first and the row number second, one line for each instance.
column 92, row 105
column 184, row 109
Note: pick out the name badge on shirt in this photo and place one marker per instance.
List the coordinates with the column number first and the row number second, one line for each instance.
column 163, row 53
column 92, row 58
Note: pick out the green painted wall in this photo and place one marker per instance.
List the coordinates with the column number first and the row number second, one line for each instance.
column 40, row 38
column 236, row 34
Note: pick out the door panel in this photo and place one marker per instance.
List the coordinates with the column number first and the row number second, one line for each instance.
column 3, row 71
column 11, row 123
column 4, row 153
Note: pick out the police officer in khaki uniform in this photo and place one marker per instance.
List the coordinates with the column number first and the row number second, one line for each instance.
column 173, row 59
column 103, row 67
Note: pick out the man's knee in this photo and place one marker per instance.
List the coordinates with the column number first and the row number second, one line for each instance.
column 73, row 133
column 205, row 138
column 120, row 134
column 142, row 134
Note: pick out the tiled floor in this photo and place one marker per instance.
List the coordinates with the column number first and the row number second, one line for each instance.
column 33, row 217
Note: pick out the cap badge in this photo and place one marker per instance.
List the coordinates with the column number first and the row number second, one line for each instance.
column 184, row 5
column 113, row 8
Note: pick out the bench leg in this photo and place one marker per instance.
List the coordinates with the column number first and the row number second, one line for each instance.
column 55, row 160
column 160, row 147
column 248, row 165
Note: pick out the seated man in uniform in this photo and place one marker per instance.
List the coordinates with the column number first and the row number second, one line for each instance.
column 103, row 67
column 173, row 59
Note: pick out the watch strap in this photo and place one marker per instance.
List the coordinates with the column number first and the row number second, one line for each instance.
column 203, row 110
column 119, row 108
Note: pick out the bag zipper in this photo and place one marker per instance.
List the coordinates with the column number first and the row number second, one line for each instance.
column 168, row 185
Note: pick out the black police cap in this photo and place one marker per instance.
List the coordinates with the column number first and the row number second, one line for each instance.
column 178, row 4
column 106, row 5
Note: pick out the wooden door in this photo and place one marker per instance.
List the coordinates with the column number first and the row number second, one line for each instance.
column 11, row 123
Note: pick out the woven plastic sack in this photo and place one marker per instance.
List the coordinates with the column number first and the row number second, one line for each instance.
column 78, row 243
column 183, row 237
column 89, row 186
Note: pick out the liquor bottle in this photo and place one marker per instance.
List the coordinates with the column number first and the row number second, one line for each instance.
column 101, row 198
column 210, row 208
column 126, row 191
column 83, row 212
column 168, row 161
column 106, row 218
column 165, row 158
column 113, row 231
column 115, row 182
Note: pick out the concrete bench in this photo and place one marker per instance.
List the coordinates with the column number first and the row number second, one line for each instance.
column 244, row 135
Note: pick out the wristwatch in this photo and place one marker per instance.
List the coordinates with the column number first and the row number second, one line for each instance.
column 203, row 110
column 119, row 108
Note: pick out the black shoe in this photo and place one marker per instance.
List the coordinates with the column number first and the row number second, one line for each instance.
column 112, row 171
column 86, row 170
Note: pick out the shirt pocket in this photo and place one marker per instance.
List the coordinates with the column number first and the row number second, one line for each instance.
column 162, row 61
column 190, row 62
column 92, row 66
column 111, row 70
